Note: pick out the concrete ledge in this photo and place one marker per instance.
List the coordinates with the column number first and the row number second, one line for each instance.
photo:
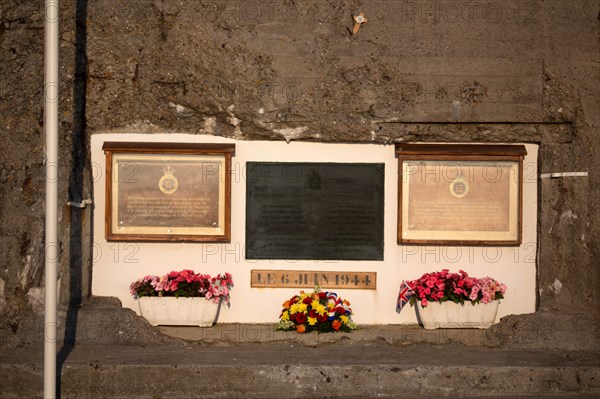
column 277, row 370
column 405, row 334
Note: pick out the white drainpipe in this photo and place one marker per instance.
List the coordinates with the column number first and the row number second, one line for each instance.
column 51, row 127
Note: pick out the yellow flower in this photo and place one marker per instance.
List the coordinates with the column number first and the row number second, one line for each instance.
column 285, row 315
column 320, row 309
column 302, row 307
column 294, row 308
column 312, row 321
column 344, row 319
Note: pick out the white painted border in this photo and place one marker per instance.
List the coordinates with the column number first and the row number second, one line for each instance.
column 117, row 264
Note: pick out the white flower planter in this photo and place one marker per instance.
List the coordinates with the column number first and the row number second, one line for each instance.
column 173, row 311
column 454, row 315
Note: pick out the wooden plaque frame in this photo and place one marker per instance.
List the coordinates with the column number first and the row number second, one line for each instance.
column 167, row 192
column 460, row 194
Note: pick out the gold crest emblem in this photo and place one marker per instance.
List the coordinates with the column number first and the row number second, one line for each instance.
column 459, row 188
column 168, row 184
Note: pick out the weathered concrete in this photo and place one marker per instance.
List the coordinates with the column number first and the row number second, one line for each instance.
column 417, row 71
column 109, row 352
column 275, row 370
column 98, row 321
column 102, row 321
column 568, row 332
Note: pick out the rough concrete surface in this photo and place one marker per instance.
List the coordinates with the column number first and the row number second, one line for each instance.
column 286, row 369
column 475, row 71
column 106, row 351
column 290, row 70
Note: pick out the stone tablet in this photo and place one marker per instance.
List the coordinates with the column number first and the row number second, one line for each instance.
column 320, row 211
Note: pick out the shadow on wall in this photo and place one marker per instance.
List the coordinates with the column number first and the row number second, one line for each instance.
column 78, row 267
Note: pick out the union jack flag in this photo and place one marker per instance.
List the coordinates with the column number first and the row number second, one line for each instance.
column 404, row 296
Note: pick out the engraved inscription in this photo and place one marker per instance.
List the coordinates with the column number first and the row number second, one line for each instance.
column 482, row 204
column 145, row 202
column 311, row 279
column 168, row 207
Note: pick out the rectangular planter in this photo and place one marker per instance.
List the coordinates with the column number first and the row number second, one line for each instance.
column 173, row 311
column 454, row 315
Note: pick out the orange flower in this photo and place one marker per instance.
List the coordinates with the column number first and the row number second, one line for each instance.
column 336, row 325
column 286, row 304
column 300, row 328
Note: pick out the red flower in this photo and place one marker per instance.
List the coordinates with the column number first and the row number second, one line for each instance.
column 300, row 318
column 312, row 313
column 322, row 318
column 322, row 295
column 307, row 300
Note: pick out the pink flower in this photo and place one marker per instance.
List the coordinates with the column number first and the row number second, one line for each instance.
column 187, row 275
column 173, row 286
column 159, row 284
column 424, row 302
column 433, row 286
column 474, row 293
column 486, row 298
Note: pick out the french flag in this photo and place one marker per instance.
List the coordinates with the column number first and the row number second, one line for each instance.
column 404, row 296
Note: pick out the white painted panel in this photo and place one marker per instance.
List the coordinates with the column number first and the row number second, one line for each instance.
column 116, row 265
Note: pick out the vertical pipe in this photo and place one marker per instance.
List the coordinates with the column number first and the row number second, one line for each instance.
column 51, row 258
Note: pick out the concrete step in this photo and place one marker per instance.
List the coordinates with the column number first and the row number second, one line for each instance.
column 110, row 352
column 340, row 369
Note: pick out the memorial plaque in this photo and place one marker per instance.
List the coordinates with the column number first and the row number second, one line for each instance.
column 326, row 211
column 312, row 279
column 461, row 194
column 167, row 192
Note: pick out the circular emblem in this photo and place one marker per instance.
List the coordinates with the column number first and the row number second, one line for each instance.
column 459, row 188
column 168, row 184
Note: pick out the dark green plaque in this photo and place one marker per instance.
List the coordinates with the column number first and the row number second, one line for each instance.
column 320, row 211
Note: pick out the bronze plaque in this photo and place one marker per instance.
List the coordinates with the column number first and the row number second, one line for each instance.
column 167, row 196
column 166, row 192
column 312, row 278
column 456, row 201
column 460, row 194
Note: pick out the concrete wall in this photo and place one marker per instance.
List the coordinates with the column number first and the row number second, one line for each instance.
column 430, row 71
